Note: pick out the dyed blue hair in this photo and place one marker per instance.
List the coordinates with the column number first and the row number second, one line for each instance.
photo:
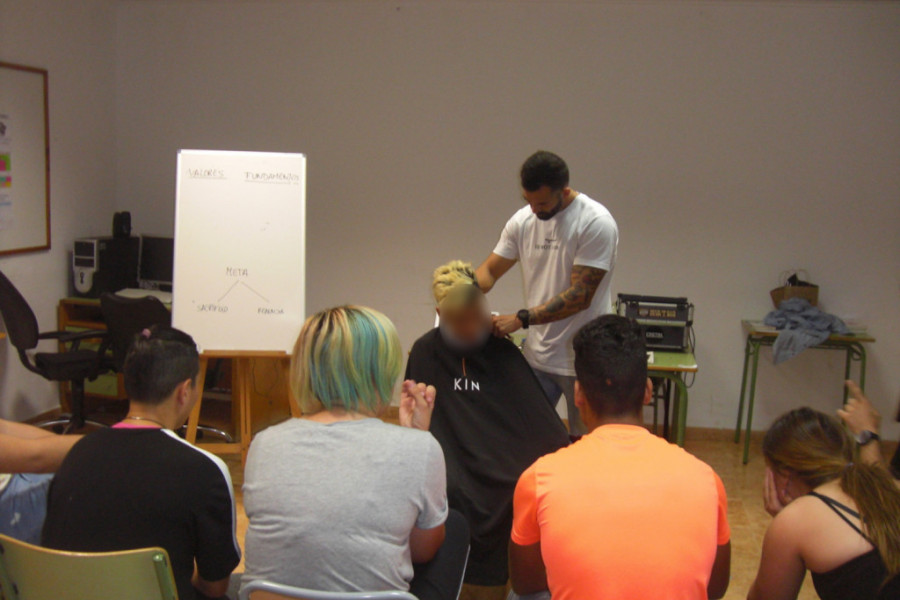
column 346, row 358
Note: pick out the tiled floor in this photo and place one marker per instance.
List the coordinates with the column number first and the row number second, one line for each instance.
column 746, row 515
column 743, row 483
column 745, row 510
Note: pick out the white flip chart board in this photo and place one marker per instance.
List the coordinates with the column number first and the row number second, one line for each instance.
column 240, row 221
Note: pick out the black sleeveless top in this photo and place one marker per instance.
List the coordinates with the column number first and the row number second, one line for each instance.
column 859, row 578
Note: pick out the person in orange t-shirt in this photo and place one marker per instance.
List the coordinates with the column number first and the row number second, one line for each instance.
column 620, row 514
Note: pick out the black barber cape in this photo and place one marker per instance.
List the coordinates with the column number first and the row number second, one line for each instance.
column 493, row 421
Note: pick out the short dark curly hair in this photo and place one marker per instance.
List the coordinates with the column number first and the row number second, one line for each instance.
column 611, row 365
column 159, row 360
column 544, row 168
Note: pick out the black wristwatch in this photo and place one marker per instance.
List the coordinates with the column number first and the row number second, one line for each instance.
column 865, row 436
column 524, row 316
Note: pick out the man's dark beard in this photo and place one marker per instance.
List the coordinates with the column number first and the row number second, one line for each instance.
column 546, row 215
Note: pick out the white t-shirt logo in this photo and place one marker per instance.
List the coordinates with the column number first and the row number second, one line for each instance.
column 549, row 244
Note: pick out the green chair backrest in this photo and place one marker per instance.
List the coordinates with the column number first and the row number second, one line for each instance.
column 30, row 572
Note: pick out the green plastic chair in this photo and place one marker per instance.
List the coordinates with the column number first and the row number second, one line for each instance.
column 30, row 572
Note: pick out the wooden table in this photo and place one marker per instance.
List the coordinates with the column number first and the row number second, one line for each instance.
column 759, row 334
column 674, row 366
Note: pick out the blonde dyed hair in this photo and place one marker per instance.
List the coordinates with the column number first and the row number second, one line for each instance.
column 348, row 358
column 454, row 284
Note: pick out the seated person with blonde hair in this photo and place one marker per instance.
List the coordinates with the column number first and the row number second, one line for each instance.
column 338, row 500
column 493, row 419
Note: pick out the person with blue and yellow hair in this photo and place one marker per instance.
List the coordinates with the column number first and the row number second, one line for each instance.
column 338, row 500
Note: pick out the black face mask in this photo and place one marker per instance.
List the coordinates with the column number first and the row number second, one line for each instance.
column 546, row 215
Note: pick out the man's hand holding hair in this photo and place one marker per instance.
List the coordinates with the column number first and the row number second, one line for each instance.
column 506, row 324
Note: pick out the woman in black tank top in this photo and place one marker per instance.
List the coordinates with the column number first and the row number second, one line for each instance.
column 860, row 577
column 835, row 516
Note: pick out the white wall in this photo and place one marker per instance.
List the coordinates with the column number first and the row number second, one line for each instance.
column 731, row 140
column 75, row 42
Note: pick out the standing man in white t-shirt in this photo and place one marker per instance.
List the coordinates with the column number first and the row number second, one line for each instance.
column 567, row 244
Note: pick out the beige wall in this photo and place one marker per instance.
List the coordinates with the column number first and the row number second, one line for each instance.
column 731, row 140
column 75, row 42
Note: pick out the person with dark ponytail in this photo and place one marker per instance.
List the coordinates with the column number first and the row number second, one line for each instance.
column 138, row 484
column 835, row 515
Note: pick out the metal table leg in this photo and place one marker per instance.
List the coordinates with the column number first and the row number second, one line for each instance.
column 855, row 352
column 737, row 429
column 848, row 362
column 666, row 397
column 656, row 399
column 661, row 393
column 753, row 346
column 681, row 396
column 681, row 405
column 860, row 355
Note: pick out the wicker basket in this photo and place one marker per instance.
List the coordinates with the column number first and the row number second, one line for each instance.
column 807, row 291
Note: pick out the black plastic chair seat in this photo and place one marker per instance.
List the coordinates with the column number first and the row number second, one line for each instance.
column 66, row 366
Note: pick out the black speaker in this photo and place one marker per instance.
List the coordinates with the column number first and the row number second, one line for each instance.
column 121, row 225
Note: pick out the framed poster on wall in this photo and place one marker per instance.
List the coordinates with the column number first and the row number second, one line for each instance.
column 24, row 160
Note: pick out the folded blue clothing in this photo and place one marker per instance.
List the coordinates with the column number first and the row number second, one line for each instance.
column 801, row 325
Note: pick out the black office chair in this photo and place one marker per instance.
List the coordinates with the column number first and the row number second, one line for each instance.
column 125, row 319
column 73, row 366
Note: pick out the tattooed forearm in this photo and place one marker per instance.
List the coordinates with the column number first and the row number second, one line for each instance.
column 576, row 298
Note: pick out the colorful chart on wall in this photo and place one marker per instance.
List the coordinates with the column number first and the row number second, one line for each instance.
column 240, row 222
column 24, row 160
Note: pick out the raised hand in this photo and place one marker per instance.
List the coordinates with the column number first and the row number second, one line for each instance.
column 416, row 404
column 859, row 414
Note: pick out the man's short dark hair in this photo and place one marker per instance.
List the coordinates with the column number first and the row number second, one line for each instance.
column 159, row 360
column 611, row 365
column 544, row 168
